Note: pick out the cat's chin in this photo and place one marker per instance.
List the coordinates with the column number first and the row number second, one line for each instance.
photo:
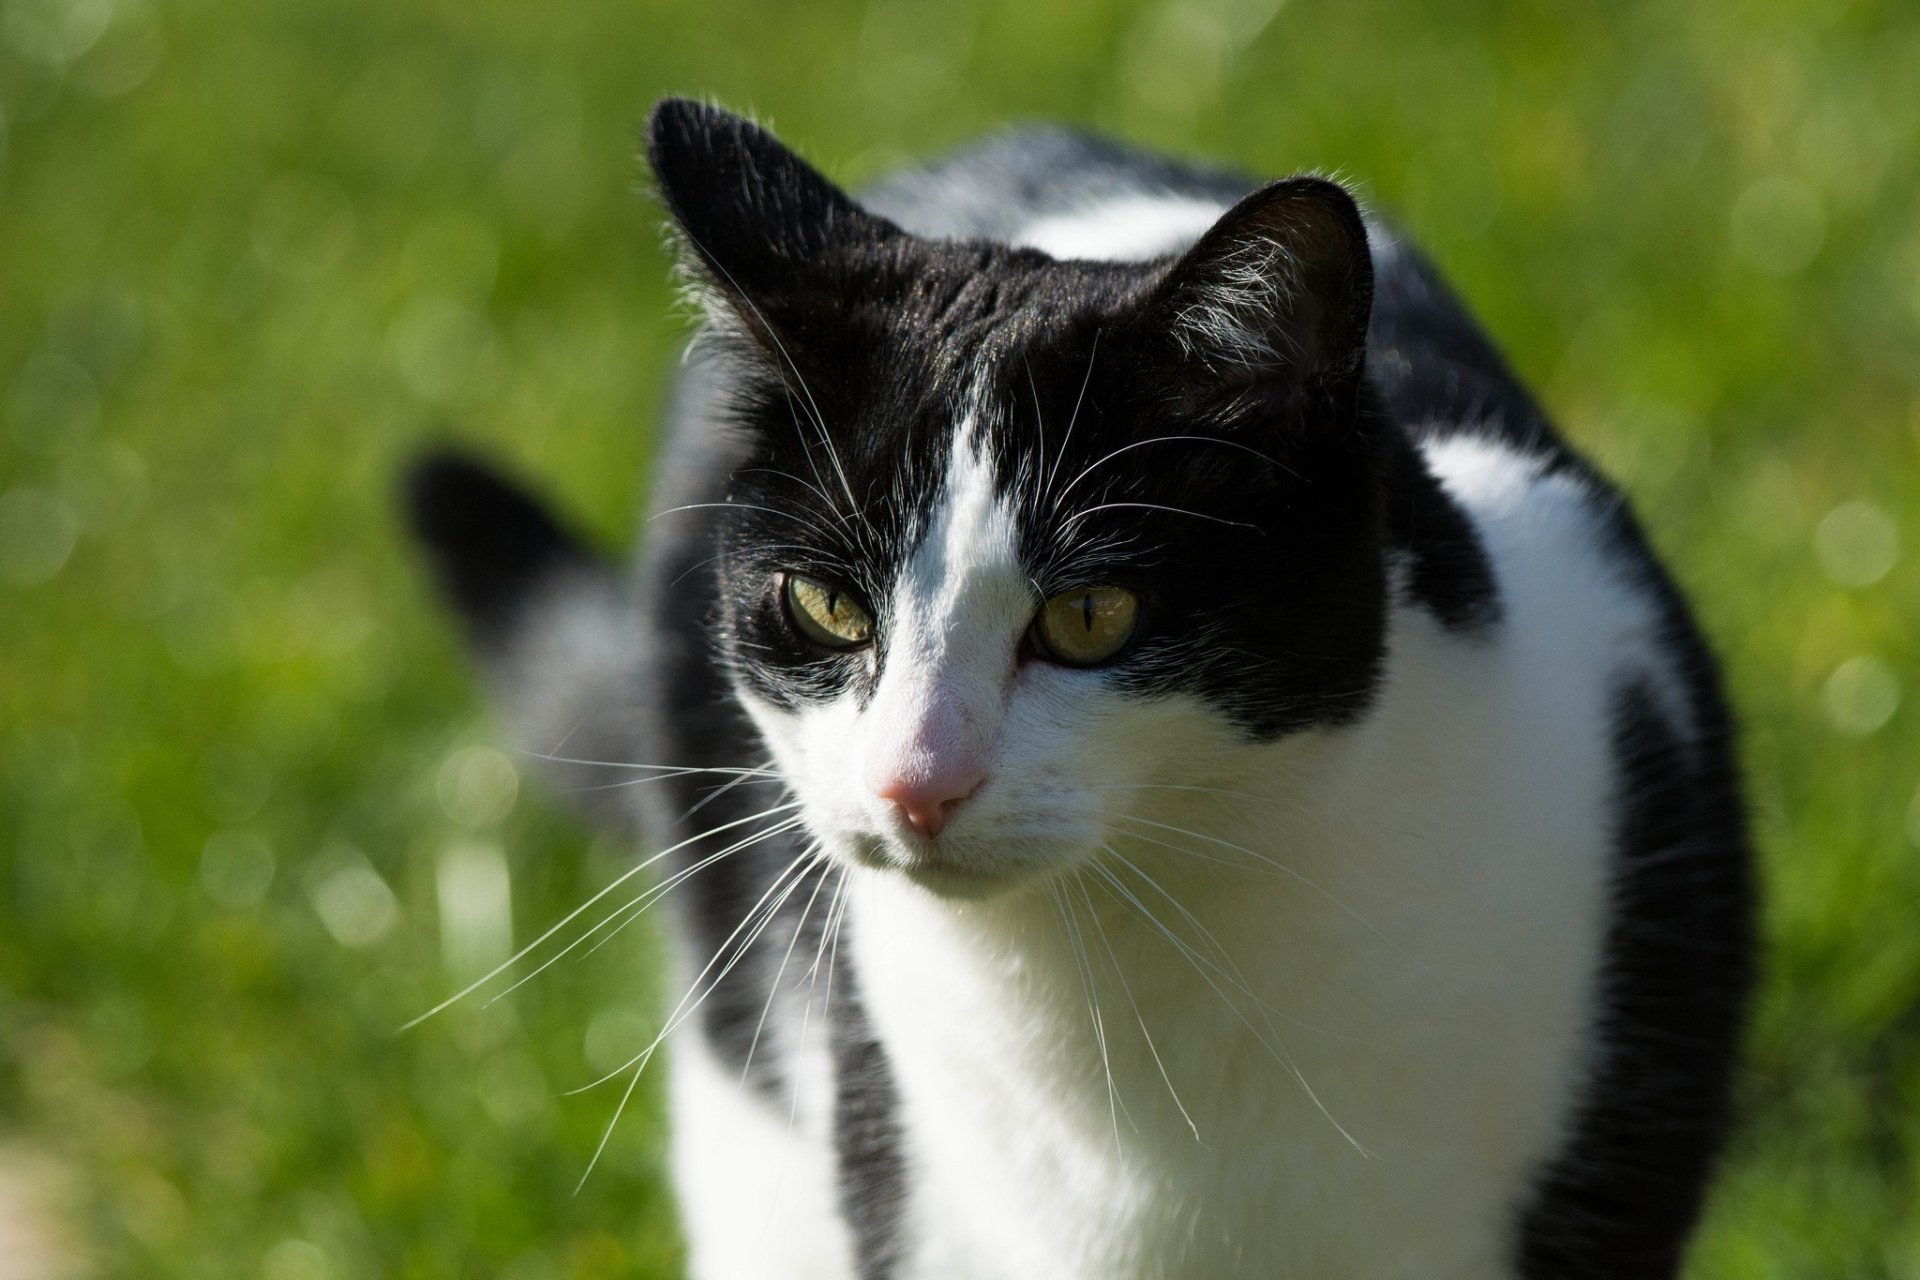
column 943, row 877
column 945, row 880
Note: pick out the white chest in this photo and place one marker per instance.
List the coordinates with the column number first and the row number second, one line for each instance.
column 1356, row 1023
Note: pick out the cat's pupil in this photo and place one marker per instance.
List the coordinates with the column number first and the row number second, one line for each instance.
column 1086, row 610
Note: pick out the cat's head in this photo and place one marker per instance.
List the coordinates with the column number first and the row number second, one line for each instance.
column 1013, row 552
column 1019, row 541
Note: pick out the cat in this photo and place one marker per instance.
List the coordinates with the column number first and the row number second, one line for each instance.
column 1168, row 765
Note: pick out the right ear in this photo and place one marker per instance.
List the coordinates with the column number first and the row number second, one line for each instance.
column 1272, row 304
column 759, row 221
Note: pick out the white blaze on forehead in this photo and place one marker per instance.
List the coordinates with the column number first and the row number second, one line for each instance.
column 954, row 624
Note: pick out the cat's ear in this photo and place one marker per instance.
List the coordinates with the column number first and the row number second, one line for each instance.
column 1272, row 303
column 759, row 222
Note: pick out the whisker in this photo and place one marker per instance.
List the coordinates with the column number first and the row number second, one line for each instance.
column 1141, row 444
column 732, row 949
column 834, row 922
column 667, row 768
column 1154, row 506
column 1279, row 1055
column 720, row 791
column 575, row 914
column 773, row 988
column 639, row 905
column 1280, row 867
column 1224, row 966
column 680, row 1014
column 1072, row 418
column 1212, row 791
column 1120, row 972
column 1070, row 923
column 820, row 949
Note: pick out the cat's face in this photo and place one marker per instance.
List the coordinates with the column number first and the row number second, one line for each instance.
column 1021, row 542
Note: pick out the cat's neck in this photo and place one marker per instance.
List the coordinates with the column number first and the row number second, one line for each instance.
column 1320, row 1047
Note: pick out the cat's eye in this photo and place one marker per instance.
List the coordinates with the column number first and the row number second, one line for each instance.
column 827, row 615
column 1086, row 625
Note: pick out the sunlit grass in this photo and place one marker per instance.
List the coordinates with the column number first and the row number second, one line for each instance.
column 253, row 256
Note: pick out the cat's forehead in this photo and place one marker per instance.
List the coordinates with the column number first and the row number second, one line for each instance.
column 1018, row 376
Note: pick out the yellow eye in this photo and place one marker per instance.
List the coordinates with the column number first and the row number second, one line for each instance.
column 827, row 615
column 1087, row 624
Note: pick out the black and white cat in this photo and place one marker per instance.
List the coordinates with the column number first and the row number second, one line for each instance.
column 1172, row 767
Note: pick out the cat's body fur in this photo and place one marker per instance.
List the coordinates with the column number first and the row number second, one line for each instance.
column 1449, row 955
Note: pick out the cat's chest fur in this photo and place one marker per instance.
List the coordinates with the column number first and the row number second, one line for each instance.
column 1371, row 901
column 1348, row 1051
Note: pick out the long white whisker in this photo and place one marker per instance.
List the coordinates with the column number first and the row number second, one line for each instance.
column 647, row 900
column 1126, row 989
column 826, row 931
column 670, row 769
column 751, row 925
column 773, row 988
column 1272, row 1048
column 1070, row 923
column 1221, row 963
column 1060, row 457
column 1084, row 512
column 1141, row 444
column 575, row 914
column 1280, row 867
column 639, row 1061
column 835, row 921
column 722, row 790
column 637, row 906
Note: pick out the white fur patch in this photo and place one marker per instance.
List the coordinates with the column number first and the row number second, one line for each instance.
column 757, row 1185
column 1127, row 229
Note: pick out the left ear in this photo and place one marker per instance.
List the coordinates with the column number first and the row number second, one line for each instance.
column 1273, row 301
column 761, row 224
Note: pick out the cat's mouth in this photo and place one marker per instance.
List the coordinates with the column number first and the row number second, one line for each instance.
column 936, row 866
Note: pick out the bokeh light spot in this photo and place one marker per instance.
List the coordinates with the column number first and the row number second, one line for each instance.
column 475, row 893
column 1857, row 543
column 236, row 869
column 351, row 898
column 615, row 1035
column 478, row 786
column 296, row 1260
column 37, row 534
column 1861, row 696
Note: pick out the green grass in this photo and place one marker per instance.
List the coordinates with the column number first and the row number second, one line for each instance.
column 254, row 255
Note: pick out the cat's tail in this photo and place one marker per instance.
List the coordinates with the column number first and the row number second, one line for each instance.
column 547, row 617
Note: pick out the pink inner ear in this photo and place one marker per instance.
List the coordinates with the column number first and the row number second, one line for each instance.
column 927, row 767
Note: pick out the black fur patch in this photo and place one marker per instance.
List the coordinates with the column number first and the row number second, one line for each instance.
column 866, row 1135
column 1621, row 1198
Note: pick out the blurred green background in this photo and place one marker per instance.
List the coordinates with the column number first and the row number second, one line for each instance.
column 252, row 817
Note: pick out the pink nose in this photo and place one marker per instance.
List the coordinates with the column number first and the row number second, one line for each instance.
column 927, row 804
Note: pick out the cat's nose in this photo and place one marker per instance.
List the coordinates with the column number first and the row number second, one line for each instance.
column 927, row 804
